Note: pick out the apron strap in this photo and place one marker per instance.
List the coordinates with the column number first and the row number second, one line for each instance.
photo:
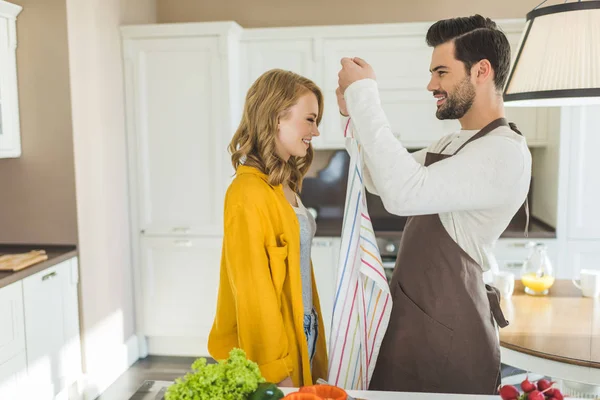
column 493, row 295
column 515, row 129
column 484, row 131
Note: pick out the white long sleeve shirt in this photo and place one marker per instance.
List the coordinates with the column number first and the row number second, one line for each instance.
column 476, row 193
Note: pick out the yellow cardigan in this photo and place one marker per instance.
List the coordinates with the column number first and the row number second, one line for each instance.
column 259, row 308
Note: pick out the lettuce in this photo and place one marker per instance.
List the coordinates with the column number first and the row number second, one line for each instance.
column 231, row 379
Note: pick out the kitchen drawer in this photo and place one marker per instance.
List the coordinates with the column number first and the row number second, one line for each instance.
column 512, row 253
column 514, row 266
column 12, row 326
column 517, row 248
column 180, row 286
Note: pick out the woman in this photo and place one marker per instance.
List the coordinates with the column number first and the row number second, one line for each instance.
column 268, row 304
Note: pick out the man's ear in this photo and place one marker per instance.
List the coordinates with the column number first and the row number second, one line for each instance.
column 482, row 71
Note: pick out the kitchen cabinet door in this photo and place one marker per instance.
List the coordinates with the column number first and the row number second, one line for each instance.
column 180, row 280
column 10, row 130
column 45, row 331
column 261, row 55
column 583, row 193
column 325, row 253
column 13, row 374
column 70, row 354
column 409, row 107
column 177, row 134
column 582, row 255
column 12, row 328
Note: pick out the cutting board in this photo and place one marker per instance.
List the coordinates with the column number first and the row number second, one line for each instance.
column 16, row 262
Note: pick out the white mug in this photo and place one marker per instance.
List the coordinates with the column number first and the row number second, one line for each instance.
column 504, row 281
column 588, row 283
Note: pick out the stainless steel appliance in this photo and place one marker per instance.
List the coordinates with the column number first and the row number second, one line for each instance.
column 388, row 244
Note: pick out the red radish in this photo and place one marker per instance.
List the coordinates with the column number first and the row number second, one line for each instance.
column 535, row 395
column 509, row 392
column 527, row 386
column 557, row 395
column 545, row 386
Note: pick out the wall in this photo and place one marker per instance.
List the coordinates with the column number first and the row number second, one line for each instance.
column 107, row 300
column 269, row 13
column 38, row 189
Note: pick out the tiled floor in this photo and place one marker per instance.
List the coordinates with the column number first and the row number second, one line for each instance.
column 163, row 368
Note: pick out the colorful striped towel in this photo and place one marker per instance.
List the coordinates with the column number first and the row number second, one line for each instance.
column 363, row 303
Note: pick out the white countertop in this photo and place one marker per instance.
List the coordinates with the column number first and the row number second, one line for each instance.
column 153, row 390
column 372, row 395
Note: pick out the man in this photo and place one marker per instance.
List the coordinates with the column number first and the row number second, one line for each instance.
column 461, row 194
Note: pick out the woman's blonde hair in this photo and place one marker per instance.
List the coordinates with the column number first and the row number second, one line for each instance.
column 269, row 99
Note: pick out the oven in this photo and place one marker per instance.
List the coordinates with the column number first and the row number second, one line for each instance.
column 388, row 244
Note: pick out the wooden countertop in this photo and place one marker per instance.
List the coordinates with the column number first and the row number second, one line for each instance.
column 562, row 326
column 56, row 255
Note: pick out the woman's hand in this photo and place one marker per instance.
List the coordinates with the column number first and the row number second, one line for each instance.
column 287, row 382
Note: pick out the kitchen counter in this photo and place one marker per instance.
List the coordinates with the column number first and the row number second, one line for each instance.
column 154, row 390
column 562, row 326
column 56, row 255
column 332, row 227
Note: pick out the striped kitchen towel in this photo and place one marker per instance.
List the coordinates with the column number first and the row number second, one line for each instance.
column 363, row 303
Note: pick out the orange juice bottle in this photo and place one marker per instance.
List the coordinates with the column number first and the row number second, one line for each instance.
column 537, row 274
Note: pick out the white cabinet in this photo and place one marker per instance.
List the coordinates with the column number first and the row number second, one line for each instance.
column 180, row 285
column 10, row 131
column 296, row 55
column 409, row 107
column 401, row 59
column 52, row 328
column 70, row 354
column 325, row 254
column 178, row 142
column 13, row 373
column 582, row 255
column 13, row 365
column 583, row 180
column 579, row 189
column 532, row 122
column 182, row 90
column 40, row 348
column 12, row 328
column 261, row 55
column 512, row 253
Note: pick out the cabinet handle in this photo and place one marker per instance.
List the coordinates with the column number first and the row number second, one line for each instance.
column 48, row 276
column 183, row 243
column 181, row 229
column 524, row 245
column 514, row 265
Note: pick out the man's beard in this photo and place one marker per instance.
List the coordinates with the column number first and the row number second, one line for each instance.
column 458, row 103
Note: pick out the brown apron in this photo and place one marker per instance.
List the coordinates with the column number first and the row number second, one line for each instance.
column 441, row 335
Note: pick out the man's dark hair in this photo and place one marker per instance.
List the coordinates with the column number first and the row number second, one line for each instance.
column 475, row 38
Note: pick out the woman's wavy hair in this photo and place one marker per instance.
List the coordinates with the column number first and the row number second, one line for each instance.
column 267, row 101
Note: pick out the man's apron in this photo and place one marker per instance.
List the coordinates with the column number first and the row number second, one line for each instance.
column 441, row 336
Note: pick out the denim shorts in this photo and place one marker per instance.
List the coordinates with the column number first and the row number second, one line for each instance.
column 311, row 330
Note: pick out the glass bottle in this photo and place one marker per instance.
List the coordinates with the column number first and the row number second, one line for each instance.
column 537, row 273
